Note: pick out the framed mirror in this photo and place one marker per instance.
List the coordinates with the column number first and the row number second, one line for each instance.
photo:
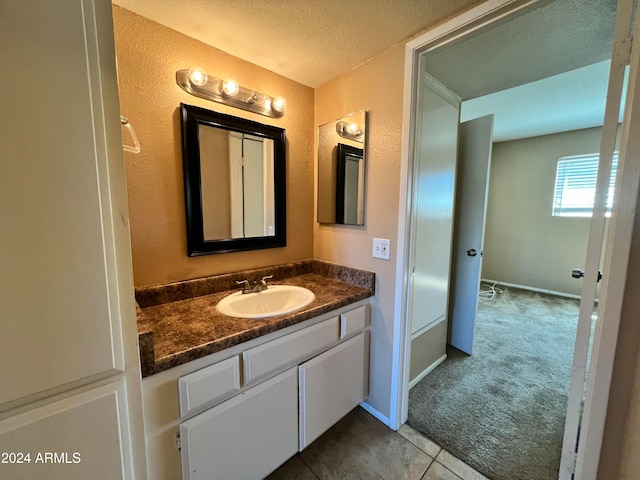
column 341, row 170
column 234, row 182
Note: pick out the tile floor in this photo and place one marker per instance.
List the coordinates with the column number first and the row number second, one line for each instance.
column 361, row 447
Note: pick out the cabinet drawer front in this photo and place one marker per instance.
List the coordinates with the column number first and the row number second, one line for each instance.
column 246, row 437
column 210, row 383
column 354, row 321
column 289, row 349
column 331, row 385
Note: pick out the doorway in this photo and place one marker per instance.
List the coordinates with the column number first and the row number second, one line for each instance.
column 501, row 15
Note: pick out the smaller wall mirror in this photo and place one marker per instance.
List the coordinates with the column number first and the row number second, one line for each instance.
column 341, row 170
column 234, row 177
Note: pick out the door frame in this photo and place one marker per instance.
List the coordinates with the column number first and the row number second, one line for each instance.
column 618, row 244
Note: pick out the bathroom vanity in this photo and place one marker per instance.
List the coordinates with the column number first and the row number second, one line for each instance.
column 227, row 397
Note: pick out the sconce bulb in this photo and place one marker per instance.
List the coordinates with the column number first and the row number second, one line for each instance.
column 230, row 87
column 197, row 77
column 352, row 128
column 278, row 105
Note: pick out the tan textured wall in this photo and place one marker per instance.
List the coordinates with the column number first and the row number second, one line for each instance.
column 630, row 461
column 148, row 56
column 375, row 86
column 524, row 244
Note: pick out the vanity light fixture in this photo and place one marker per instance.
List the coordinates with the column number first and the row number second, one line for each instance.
column 196, row 82
column 352, row 131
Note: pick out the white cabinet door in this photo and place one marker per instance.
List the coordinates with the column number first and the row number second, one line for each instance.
column 245, row 437
column 76, row 438
column 59, row 300
column 67, row 309
column 331, row 385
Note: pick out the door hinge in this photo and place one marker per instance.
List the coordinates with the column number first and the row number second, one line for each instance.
column 622, row 55
column 178, row 442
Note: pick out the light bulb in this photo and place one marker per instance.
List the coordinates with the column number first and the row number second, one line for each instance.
column 352, row 128
column 278, row 105
column 230, row 87
column 197, row 77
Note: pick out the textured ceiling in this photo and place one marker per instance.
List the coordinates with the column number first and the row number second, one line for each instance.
column 557, row 37
column 310, row 41
column 568, row 101
column 539, row 73
column 314, row 41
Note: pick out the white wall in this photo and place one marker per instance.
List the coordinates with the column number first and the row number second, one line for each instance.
column 524, row 244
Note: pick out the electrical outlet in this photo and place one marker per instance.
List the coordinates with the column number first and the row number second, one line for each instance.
column 381, row 248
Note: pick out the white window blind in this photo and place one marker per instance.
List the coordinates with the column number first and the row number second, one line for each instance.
column 576, row 185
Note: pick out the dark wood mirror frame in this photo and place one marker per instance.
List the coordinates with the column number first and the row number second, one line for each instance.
column 344, row 152
column 192, row 117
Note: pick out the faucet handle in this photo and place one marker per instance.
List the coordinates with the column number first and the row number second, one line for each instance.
column 247, row 285
column 263, row 282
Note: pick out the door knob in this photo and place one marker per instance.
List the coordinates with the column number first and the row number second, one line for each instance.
column 472, row 252
column 579, row 273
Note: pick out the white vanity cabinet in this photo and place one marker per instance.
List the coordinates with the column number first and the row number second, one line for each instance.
column 331, row 385
column 243, row 412
column 245, row 437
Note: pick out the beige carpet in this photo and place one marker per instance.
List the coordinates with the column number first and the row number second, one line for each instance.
column 502, row 410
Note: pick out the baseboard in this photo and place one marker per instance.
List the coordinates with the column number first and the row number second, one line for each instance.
column 532, row 289
column 427, row 371
column 383, row 418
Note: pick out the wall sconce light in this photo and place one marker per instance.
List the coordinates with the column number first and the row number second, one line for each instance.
column 196, row 82
column 352, row 131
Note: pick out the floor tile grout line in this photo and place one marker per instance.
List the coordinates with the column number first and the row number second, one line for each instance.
column 459, row 475
column 444, row 466
column 430, row 464
column 308, row 466
column 418, row 446
column 433, row 458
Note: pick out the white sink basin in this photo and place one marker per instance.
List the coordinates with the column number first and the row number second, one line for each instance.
column 275, row 300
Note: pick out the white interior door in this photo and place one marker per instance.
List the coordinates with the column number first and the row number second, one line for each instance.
column 253, row 191
column 474, row 158
column 235, row 186
column 620, row 58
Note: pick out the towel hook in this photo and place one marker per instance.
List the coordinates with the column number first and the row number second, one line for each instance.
column 135, row 148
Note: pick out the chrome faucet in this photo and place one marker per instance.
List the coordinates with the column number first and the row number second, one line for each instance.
column 257, row 286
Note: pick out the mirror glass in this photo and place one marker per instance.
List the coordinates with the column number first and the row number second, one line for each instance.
column 341, row 170
column 234, row 172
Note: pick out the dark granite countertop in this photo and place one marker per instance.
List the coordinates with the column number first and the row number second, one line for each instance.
column 178, row 322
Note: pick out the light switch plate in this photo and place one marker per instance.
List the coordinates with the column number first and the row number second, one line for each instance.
column 381, row 248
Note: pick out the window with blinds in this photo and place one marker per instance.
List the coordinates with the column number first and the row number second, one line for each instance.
column 576, row 185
